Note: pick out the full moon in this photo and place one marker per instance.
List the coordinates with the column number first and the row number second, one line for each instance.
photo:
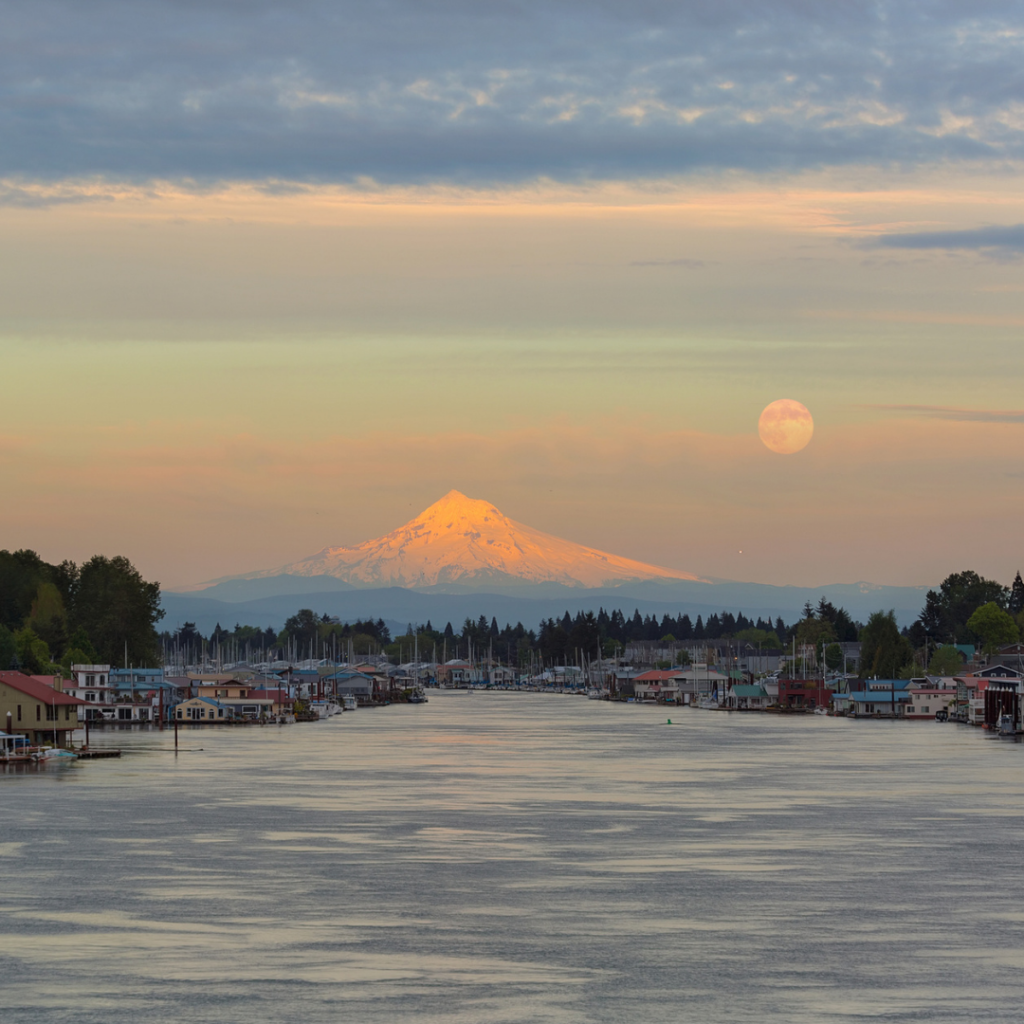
column 785, row 426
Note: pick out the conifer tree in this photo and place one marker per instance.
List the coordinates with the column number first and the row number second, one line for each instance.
column 1016, row 595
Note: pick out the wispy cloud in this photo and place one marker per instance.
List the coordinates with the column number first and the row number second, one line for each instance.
column 685, row 263
column 33, row 196
column 956, row 413
column 995, row 240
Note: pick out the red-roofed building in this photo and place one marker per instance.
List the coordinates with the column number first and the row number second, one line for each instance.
column 33, row 709
column 658, row 684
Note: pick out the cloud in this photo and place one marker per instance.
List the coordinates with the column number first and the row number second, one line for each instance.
column 956, row 414
column 430, row 90
column 31, row 196
column 1007, row 240
column 688, row 264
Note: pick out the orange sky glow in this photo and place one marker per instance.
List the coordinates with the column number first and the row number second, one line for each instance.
column 237, row 379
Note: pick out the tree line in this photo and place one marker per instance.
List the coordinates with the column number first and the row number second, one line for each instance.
column 103, row 611
column 965, row 609
column 53, row 616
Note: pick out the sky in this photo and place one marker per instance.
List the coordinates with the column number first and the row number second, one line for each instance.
column 277, row 276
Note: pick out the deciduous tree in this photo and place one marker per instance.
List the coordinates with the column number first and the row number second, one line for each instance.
column 946, row 661
column 947, row 609
column 993, row 626
column 119, row 611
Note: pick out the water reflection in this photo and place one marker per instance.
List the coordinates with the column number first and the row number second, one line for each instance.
column 519, row 858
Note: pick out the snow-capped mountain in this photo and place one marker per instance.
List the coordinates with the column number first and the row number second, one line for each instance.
column 467, row 541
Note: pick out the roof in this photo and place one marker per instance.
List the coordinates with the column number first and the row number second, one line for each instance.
column 746, row 690
column 875, row 696
column 656, row 675
column 39, row 691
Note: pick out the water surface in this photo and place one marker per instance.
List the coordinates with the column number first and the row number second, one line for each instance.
column 500, row 857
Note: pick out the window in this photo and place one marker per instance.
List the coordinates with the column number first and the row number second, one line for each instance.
column 90, row 680
column 90, row 696
column 925, row 709
column 51, row 713
column 19, row 712
column 39, row 712
column 67, row 713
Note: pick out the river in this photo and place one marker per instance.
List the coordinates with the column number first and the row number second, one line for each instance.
column 502, row 857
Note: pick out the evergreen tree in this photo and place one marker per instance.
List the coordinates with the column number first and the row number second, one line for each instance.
column 1016, row 605
column 698, row 630
column 8, row 649
column 884, row 651
column 685, row 628
column 636, row 627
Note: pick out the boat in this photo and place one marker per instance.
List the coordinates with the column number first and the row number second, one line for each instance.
column 821, row 711
column 348, row 703
column 708, row 705
column 594, row 693
column 1007, row 726
column 54, row 754
column 325, row 708
column 417, row 698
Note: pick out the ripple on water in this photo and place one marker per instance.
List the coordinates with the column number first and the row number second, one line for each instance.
column 520, row 858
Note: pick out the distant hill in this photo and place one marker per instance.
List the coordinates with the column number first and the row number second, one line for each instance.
column 230, row 603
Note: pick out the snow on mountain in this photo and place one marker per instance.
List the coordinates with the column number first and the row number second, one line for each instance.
column 467, row 541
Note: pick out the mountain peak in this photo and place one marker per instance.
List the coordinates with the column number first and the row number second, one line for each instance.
column 456, row 504
column 467, row 540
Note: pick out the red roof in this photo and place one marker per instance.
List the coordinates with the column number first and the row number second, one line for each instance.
column 40, row 691
column 656, row 675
